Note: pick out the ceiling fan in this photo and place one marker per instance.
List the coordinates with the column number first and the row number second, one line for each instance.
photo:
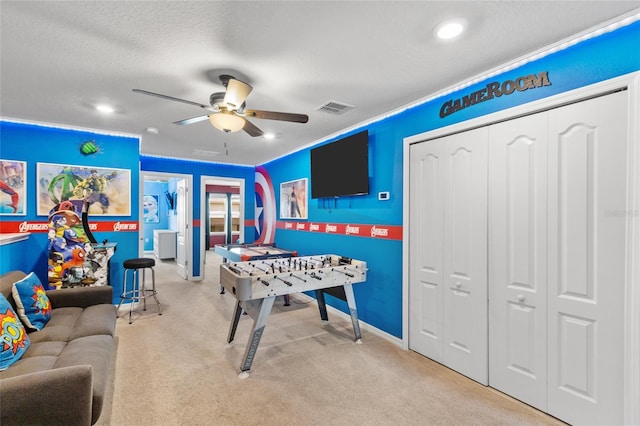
column 227, row 109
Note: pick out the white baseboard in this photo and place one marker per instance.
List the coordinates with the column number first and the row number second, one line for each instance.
column 363, row 325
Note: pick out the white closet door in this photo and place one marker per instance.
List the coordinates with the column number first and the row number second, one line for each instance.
column 448, row 252
column 518, row 258
column 587, row 187
column 426, row 187
column 465, row 255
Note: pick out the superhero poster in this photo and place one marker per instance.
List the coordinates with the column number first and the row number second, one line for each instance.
column 13, row 190
column 107, row 190
column 293, row 199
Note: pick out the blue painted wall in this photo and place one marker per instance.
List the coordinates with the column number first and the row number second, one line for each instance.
column 36, row 143
column 158, row 189
column 12, row 257
column 379, row 299
column 197, row 169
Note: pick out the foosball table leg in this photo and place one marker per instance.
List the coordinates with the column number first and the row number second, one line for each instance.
column 322, row 306
column 259, row 310
column 234, row 323
column 351, row 302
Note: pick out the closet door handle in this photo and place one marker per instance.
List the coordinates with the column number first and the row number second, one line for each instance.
column 520, row 298
column 458, row 284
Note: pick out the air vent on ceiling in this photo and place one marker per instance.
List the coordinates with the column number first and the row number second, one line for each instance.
column 335, row 107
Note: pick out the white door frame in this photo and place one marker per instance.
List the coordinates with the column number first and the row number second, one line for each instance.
column 167, row 175
column 631, row 82
column 203, row 199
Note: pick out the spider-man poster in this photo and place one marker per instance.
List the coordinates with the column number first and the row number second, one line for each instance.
column 13, row 189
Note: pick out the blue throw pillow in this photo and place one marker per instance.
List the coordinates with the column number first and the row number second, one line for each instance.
column 15, row 339
column 34, row 307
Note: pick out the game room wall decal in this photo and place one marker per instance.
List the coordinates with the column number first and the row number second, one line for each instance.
column 494, row 90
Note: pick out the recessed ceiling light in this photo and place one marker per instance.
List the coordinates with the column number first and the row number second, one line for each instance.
column 205, row 153
column 269, row 136
column 449, row 29
column 105, row 109
column 152, row 130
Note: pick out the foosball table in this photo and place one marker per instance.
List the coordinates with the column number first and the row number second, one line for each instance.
column 256, row 284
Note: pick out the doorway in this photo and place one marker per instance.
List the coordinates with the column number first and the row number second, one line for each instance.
column 173, row 202
column 222, row 213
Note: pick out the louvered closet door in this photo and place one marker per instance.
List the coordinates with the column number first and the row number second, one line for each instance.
column 586, row 263
column 448, row 252
column 518, row 258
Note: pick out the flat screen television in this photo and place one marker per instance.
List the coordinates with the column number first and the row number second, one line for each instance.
column 341, row 168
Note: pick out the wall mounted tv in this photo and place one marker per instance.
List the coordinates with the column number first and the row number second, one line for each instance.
column 341, row 168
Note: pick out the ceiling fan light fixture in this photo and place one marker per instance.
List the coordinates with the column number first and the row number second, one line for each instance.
column 226, row 121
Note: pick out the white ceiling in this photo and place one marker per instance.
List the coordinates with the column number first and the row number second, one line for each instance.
column 59, row 59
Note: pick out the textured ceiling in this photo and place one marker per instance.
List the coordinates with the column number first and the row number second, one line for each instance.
column 59, row 59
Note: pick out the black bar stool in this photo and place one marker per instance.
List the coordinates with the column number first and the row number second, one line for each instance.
column 138, row 291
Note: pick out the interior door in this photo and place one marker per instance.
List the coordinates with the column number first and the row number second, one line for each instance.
column 587, row 187
column 448, row 246
column 183, row 228
column 518, row 258
column 465, row 254
column 426, row 276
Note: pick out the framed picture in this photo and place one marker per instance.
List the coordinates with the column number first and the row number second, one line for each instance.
column 150, row 210
column 107, row 190
column 13, row 188
column 293, row 199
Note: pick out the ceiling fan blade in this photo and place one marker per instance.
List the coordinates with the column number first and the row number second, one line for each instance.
column 191, row 120
column 273, row 115
column 171, row 98
column 251, row 129
column 236, row 94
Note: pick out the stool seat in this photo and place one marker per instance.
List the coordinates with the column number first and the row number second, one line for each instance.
column 141, row 262
column 138, row 291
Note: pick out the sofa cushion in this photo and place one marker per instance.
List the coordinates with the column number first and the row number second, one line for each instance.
column 96, row 320
column 14, row 338
column 95, row 351
column 67, row 324
column 34, row 307
column 38, row 349
column 28, row 365
column 60, row 326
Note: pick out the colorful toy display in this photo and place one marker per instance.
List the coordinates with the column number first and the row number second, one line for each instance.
column 74, row 258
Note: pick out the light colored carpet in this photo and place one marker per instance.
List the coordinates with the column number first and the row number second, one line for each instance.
column 175, row 369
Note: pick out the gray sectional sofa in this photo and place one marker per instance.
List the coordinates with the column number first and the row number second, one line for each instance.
column 62, row 377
